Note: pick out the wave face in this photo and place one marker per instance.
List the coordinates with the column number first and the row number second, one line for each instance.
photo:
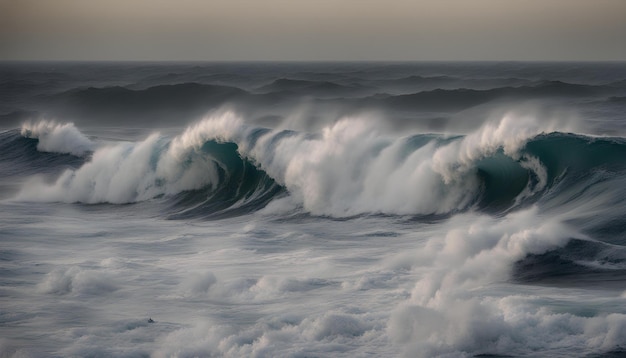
column 350, row 168
column 200, row 176
column 23, row 157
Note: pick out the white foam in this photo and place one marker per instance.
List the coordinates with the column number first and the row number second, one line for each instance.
column 198, row 283
column 448, row 315
column 283, row 335
column 130, row 172
column 249, row 286
column 57, row 137
column 78, row 281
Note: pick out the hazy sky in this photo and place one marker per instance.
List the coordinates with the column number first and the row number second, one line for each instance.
column 313, row 30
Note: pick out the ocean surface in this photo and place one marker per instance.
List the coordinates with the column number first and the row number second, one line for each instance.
column 312, row 209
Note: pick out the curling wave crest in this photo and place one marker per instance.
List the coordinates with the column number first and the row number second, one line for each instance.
column 351, row 167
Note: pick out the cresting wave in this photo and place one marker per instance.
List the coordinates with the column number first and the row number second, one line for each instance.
column 352, row 167
column 59, row 138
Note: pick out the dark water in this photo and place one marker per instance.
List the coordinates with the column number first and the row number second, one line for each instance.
column 313, row 209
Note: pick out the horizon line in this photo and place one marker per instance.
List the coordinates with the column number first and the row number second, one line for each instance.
column 307, row 61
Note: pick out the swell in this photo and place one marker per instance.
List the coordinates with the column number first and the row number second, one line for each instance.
column 317, row 89
column 21, row 157
column 582, row 263
column 461, row 98
column 192, row 99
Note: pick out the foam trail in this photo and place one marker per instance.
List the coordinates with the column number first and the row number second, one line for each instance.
column 58, row 138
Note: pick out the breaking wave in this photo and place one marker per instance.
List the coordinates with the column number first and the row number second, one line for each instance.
column 351, row 168
column 58, row 138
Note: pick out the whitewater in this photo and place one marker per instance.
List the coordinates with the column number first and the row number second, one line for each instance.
column 313, row 210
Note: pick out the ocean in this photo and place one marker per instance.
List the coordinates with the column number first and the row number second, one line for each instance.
column 353, row 209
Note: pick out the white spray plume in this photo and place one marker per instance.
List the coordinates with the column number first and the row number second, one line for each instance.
column 130, row 172
column 58, row 138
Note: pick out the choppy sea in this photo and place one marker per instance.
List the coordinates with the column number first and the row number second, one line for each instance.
column 312, row 209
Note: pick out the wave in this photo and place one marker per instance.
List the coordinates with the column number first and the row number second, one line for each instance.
column 241, row 187
column 414, row 83
column 318, row 89
column 162, row 105
column 592, row 263
column 193, row 76
column 178, row 95
column 617, row 99
column 351, row 168
column 20, row 157
column 151, row 105
column 193, row 99
column 461, row 98
column 199, row 178
column 58, row 138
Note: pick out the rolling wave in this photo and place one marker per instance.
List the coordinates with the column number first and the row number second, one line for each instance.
column 318, row 89
column 22, row 156
column 461, row 98
column 221, row 164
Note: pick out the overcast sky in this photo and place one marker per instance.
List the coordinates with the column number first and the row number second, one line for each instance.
column 313, row 30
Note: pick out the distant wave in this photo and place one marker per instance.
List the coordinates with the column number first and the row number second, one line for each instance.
column 318, row 89
column 412, row 84
column 178, row 96
column 443, row 99
column 350, row 168
column 596, row 264
column 194, row 97
column 617, row 99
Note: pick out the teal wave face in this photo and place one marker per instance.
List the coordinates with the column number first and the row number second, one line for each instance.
column 242, row 187
column 572, row 163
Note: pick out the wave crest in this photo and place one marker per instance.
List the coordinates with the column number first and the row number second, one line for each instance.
column 352, row 167
column 58, row 138
column 127, row 172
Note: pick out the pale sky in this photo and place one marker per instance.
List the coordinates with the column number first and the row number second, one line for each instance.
column 243, row 30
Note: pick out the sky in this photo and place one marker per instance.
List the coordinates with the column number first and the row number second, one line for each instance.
column 307, row 30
